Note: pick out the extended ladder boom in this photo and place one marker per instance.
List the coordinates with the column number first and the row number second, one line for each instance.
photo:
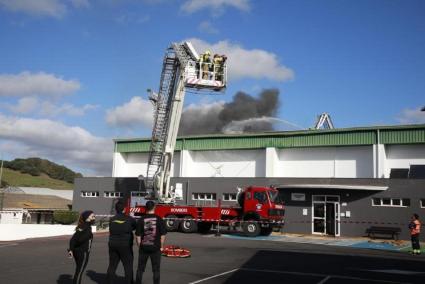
column 180, row 69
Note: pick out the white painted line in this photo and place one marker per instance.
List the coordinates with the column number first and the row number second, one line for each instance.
column 8, row 245
column 395, row 271
column 283, row 272
column 319, row 275
column 324, row 280
column 214, row 276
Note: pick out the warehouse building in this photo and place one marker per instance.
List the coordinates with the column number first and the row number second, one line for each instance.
column 334, row 182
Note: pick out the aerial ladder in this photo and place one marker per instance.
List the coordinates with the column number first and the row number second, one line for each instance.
column 182, row 69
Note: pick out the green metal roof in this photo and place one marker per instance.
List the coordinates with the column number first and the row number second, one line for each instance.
column 400, row 134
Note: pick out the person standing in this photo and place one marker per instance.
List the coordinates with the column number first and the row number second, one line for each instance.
column 205, row 63
column 415, row 229
column 80, row 244
column 150, row 236
column 120, row 244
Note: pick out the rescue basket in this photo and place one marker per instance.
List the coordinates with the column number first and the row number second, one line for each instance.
column 175, row 251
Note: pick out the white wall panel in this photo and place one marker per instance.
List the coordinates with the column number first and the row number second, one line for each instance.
column 135, row 164
column 402, row 156
column 354, row 162
column 341, row 162
column 235, row 163
column 119, row 167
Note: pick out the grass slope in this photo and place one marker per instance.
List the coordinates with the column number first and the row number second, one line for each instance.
column 15, row 178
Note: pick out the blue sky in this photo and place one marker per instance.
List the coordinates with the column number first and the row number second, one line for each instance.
column 70, row 69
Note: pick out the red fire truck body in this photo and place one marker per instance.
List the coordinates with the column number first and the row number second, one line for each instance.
column 259, row 212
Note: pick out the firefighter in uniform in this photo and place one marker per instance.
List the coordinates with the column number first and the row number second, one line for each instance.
column 121, row 229
column 205, row 62
column 218, row 61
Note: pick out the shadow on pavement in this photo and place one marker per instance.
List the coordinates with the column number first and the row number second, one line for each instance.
column 269, row 266
column 64, row 279
column 100, row 278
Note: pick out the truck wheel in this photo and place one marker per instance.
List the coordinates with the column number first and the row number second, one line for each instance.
column 251, row 228
column 204, row 228
column 172, row 225
column 189, row 225
column 266, row 231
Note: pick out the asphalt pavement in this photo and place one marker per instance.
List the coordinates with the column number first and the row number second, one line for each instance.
column 218, row 260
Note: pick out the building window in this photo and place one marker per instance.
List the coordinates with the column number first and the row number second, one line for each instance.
column 422, row 203
column 229, row 196
column 138, row 194
column 112, row 194
column 391, row 202
column 89, row 193
column 204, row 196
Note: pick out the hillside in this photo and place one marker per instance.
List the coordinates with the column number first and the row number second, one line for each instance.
column 16, row 178
column 39, row 167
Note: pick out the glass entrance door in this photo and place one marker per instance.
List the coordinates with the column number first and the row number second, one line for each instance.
column 326, row 217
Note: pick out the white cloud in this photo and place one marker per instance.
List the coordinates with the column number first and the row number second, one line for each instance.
column 135, row 113
column 50, row 110
column 207, row 27
column 41, row 84
column 25, row 105
column 411, row 116
column 70, row 145
column 247, row 63
column 215, row 6
column 51, row 8
column 80, row 3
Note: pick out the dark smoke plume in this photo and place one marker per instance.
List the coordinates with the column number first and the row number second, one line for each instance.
column 244, row 114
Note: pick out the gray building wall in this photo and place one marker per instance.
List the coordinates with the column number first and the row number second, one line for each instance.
column 358, row 202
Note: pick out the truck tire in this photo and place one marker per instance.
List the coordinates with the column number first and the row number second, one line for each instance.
column 251, row 228
column 204, row 227
column 189, row 225
column 172, row 225
column 266, row 231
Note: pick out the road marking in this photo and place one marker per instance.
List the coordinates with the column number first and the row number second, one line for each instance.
column 324, row 280
column 8, row 245
column 394, row 271
column 214, row 276
column 320, row 275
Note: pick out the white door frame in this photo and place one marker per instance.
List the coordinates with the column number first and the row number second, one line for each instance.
column 337, row 209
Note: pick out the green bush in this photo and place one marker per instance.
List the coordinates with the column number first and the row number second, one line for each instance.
column 4, row 184
column 65, row 217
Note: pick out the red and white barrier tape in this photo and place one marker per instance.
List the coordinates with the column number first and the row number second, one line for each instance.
column 279, row 222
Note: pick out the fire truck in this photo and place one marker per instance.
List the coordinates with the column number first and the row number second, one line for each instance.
column 259, row 209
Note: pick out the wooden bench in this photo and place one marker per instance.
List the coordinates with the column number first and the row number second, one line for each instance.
column 393, row 231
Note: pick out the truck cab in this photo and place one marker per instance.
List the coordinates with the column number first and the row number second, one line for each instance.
column 262, row 209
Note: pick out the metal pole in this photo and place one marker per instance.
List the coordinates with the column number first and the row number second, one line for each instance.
column 1, row 169
column 1, row 191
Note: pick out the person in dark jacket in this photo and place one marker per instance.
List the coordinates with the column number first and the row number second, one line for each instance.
column 150, row 236
column 80, row 244
column 121, row 229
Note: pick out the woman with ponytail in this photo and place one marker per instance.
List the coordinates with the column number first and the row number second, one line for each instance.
column 80, row 244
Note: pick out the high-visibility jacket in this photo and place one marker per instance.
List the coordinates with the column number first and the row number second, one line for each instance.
column 416, row 229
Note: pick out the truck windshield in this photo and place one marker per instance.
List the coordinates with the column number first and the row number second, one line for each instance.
column 274, row 197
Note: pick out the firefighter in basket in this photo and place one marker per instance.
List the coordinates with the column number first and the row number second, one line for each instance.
column 218, row 63
column 205, row 63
